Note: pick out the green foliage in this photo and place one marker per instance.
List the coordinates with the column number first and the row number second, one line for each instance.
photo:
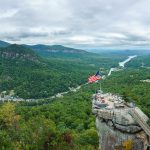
column 64, row 123
column 148, row 122
column 5, row 142
column 31, row 76
column 129, row 84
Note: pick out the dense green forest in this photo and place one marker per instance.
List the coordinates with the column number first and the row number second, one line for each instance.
column 32, row 76
column 67, row 122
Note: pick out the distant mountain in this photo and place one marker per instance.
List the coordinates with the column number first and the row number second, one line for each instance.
column 15, row 51
column 4, row 44
column 31, row 76
column 57, row 51
column 121, row 52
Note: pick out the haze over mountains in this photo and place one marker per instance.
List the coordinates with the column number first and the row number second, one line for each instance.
column 52, row 50
column 4, row 44
column 42, row 71
column 67, row 52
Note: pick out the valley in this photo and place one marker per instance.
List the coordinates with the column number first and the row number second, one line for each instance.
column 74, row 75
column 62, row 122
column 4, row 97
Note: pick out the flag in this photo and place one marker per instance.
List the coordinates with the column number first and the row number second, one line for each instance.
column 98, row 75
column 95, row 77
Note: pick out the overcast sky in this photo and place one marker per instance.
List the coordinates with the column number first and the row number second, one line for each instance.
column 106, row 24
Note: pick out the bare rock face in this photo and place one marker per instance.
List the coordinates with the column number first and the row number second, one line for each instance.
column 111, row 138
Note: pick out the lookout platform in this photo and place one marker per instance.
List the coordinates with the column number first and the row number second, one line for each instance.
column 124, row 117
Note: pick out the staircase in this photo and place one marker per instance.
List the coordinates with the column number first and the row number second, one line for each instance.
column 140, row 121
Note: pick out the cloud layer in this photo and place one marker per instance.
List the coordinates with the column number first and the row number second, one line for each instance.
column 108, row 24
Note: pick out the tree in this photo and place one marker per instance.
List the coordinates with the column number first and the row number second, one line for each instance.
column 8, row 118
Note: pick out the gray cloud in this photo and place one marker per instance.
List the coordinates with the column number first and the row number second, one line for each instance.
column 79, row 23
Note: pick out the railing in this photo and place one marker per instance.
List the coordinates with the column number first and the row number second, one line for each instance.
column 140, row 121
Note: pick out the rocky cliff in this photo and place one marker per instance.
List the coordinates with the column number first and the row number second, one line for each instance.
column 120, row 128
column 112, row 138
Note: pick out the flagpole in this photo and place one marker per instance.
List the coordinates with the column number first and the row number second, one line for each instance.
column 100, row 87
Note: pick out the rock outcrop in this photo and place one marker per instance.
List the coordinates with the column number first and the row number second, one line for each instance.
column 112, row 137
column 120, row 128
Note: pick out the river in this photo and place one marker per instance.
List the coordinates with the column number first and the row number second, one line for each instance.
column 121, row 64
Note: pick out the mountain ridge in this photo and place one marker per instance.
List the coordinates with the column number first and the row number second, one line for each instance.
column 55, row 48
column 4, row 44
column 15, row 51
column 48, row 50
column 57, row 51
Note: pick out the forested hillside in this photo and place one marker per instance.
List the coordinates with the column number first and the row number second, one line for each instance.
column 132, row 83
column 33, row 76
column 67, row 122
column 57, row 51
column 3, row 44
column 30, row 76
